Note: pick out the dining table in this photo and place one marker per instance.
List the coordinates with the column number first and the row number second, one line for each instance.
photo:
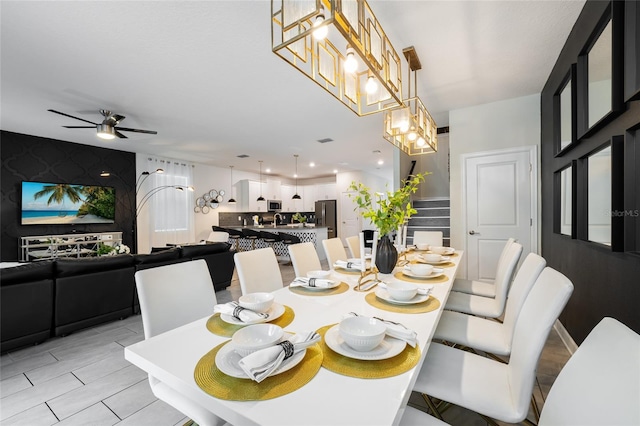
column 341, row 391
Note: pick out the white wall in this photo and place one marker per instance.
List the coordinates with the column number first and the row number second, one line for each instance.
column 498, row 125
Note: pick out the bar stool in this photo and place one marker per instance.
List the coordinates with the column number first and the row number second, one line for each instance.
column 234, row 235
column 270, row 238
column 251, row 235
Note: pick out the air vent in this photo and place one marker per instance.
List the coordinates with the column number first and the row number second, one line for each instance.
column 243, row 156
column 325, row 140
column 442, row 130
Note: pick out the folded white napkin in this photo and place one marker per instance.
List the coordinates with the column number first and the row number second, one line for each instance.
column 238, row 312
column 349, row 265
column 395, row 329
column 312, row 282
column 260, row 364
column 422, row 289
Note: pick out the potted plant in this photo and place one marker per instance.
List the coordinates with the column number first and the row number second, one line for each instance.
column 300, row 218
column 387, row 211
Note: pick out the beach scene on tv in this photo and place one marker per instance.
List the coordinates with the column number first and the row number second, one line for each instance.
column 61, row 203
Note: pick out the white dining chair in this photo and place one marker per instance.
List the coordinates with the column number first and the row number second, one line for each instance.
column 334, row 250
column 218, row 236
column 600, row 384
column 353, row 244
column 488, row 335
column 172, row 296
column 304, row 258
column 433, row 238
column 489, row 307
column 492, row 388
column 415, row 417
column 481, row 288
column 258, row 270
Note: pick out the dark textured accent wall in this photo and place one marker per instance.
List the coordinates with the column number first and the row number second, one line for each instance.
column 31, row 158
column 607, row 283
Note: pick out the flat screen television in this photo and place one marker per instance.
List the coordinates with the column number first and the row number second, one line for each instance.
column 66, row 204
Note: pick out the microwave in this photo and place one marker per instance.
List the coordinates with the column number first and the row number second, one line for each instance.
column 274, row 205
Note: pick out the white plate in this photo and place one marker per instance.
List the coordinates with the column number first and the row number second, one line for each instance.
column 384, row 295
column 435, row 274
column 448, row 252
column 389, row 347
column 275, row 311
column 336, row 283
column 227, row 361
column 445, row 259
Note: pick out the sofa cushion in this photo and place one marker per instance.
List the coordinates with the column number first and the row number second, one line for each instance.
column 158, row 257
column 33, row 271
column 204, row 249
column 89, row 265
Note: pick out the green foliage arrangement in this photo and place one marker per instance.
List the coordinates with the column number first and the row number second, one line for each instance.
column 387, row 211
column 103, row 249
column 299, row 218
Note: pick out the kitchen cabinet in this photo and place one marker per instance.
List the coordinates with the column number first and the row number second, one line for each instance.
column 288, row 191
column 309, row 198
column 326, row 191
column 273, row 190
column 250, row 190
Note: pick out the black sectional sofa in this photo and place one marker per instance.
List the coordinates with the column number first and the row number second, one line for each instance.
column 56, row 297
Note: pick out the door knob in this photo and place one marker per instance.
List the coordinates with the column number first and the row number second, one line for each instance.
column 472, row 232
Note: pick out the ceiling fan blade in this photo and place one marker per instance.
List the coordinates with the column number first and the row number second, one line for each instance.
column 117, row 117
column 151, row 132
column 80, row 127
column 71, row 116
column 120, row 135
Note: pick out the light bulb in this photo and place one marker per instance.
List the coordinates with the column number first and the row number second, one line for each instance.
column 380, row 162
column 404, row 126
column 350, row 63
column 412, row 136
column 320, row 31
column 372, row 86
column 421, row 141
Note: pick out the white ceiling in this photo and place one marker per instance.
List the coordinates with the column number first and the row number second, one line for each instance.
column 202, row 74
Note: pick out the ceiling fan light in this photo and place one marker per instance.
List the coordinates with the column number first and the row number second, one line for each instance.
column 106, row 132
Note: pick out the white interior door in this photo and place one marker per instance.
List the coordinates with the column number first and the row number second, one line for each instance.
column 350, row 219
column 500, row 203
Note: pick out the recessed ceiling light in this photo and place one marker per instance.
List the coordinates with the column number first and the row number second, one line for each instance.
column 312, row 164
column 335, row 171
column 268, row 170
column 380, row 162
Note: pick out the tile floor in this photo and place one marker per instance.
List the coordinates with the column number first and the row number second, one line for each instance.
column 83, row 379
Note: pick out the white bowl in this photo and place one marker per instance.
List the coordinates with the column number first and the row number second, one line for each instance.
column 255, row 337
column 442, row 250
column 422, row 246
column 421, row 269
column 318, row 274
column 432, row 257
column 257, row 302
column 361, row 333
column 402, row 291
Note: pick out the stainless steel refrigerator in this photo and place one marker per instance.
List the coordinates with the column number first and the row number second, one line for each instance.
column 326, row 216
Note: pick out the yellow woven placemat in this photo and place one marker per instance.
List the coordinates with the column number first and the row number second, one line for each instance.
column 416, row 251
column 441, row 279
column 343, row 287
column 440, row 265
column 214, row 382
column 401, row 363
column 216, row 325
column 431, row 304
column 346, row 271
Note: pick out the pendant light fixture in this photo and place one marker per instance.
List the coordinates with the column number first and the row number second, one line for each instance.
column 260, row 198
column 296, row 196
column 231, row 200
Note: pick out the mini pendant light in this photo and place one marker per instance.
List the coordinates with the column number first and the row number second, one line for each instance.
column 231, row 200
column 260, row 198
column 296, row 196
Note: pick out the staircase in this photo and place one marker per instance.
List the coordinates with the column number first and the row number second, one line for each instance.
column 433, row 215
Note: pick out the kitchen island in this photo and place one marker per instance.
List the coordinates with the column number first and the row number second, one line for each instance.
column 313, row 234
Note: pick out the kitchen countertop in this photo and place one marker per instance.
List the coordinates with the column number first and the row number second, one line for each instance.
column 279, row 227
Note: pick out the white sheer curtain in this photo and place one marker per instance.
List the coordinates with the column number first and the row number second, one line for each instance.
column 170, row 209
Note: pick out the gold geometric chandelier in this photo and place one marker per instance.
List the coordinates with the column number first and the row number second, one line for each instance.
column 410, row 127
column 340, row 45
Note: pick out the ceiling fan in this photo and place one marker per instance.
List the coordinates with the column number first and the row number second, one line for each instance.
column 107, row 129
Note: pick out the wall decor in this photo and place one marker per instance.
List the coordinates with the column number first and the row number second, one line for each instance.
column 632, row 51
column 564, row 113
column 209, row 200
column 600, row 73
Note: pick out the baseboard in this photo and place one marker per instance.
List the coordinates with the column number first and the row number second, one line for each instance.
column 565, row 337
